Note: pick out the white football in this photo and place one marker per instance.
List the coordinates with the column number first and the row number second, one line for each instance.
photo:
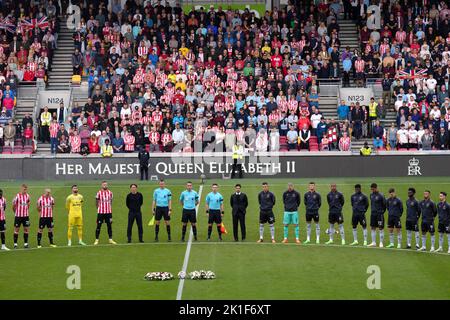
column 181, row 275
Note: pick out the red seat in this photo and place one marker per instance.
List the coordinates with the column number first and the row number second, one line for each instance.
column 18, row 150
column 6, row 150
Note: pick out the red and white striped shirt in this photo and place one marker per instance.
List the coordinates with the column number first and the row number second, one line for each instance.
column 384, row 47
column 359, row 65
column 142, row 51
column 219, row 106
column 129, row 142
column 154, row 137
column 166, row 138
column 32, row 65
column 293, row 105
column 400, row 36
column 54, row 127
column 46, row 204
column 104, row 201
column 283, row 105
column 274, row 117
column 344, row 144
column 2, row 208
column 240, row 134
column 21, row 203
column 261, row 83
column 146, row 120
column 75, row 144
column 332, row 135
column 230, row 83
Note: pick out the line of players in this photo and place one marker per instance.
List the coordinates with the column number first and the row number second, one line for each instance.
column 189, row 199
column 426, row 209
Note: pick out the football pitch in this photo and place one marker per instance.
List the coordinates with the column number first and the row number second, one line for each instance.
column 244, row 270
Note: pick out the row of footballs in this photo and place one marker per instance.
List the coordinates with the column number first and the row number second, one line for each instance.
column 194, row 275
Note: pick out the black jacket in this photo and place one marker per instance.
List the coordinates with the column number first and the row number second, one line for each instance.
column 134, row 202
column 360, row 202
column 291, row 200
column 394, row 207
column 266, row 200
column 239, row 203
column 143, row 156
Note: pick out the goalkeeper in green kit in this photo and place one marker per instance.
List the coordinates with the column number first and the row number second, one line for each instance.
column 291, row 201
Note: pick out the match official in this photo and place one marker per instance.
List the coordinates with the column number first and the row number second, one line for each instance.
column 214, row 210
column 162, row 207
column 239, row 204
column 134, row 202
column 189, row 199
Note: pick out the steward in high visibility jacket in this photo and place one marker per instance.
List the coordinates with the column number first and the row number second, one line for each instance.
column 366, row 150
column 238, row 151
column 106, row 150
column 238, row 154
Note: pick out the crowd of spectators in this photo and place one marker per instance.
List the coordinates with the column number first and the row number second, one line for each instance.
column 410, row 54
column 169, row 81
column 166, row 80
column 28, row 35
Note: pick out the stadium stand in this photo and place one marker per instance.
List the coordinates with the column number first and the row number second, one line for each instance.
column 164, row 79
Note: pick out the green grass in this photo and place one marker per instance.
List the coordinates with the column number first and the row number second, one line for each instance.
column 244, row 270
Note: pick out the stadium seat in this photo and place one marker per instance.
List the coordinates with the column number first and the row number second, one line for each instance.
column 17, row 150
column 7, row 150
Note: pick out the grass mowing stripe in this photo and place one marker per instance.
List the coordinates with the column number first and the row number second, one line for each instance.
column 188, row 249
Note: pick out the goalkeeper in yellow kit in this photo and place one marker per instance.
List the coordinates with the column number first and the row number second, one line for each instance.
column 74, row 203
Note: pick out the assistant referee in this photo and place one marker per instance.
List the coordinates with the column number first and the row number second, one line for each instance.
column 162, row 208
column 134, row 202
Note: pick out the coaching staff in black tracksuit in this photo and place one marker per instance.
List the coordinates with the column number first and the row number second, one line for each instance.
column 239, row 204
column 144, row 157
column 134, row 203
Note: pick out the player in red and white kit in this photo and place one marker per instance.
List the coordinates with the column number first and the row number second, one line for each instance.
column 103, row 200
column 21, row 208
column 3, row 220
column 45, row 205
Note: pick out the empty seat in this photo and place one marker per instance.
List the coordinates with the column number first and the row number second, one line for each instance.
column 7, row 150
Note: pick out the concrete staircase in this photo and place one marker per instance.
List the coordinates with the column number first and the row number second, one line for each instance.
column 26, row 100
column 61, row 73
column 348, row 34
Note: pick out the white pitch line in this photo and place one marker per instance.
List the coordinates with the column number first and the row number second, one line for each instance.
column 279, row 244
column 188, row 249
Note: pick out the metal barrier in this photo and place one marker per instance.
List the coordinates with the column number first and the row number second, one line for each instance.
column 375, row 84
column 328, row 87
